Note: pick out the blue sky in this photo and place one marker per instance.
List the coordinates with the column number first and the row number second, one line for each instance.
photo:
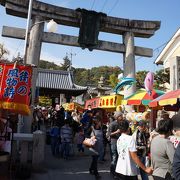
column 165, row 11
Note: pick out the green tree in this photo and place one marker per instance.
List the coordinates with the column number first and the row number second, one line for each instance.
column 81, row 76
column 45, row 101
column 66, row 64
column 92, row 76
column 161, row 77
column 113, row 80
column 140, row 77
column 105, row 71
column 48, row 65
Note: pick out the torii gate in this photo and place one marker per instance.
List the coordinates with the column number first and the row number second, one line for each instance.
column 43, row 12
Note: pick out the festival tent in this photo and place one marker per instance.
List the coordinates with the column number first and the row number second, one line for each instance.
column 170, row 100
column 95, row 106
column 104, row 102
column 142, row 97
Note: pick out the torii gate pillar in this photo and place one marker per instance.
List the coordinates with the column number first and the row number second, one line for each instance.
column 129, row 61
column 32, row 57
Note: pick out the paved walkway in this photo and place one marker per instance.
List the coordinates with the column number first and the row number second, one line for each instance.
column 75, row 168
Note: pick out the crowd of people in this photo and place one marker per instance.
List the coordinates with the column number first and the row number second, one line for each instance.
column 133, row 151
column 134, row 148
column 144, row 152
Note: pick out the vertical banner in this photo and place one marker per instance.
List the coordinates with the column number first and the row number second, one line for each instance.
column 15, row 88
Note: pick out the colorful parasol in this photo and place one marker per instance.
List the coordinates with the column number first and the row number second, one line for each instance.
column 170, row 98
column 141, row 97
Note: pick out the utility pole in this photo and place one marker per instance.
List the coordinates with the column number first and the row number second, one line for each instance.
column 71, row 55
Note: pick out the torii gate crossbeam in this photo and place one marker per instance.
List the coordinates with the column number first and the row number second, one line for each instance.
column 43, row 12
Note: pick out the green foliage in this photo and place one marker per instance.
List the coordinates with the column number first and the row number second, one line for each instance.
column 113, row 80
column 49, row 65
column 82, row 76
column 45, row 101
column 66, row 64
column 161, row 77
column 86, row 77
column 91, row 76
column 140, row 77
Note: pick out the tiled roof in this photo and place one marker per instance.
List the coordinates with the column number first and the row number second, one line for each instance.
column 55, row 79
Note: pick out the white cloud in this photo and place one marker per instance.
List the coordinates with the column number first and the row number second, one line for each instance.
column 49, row 57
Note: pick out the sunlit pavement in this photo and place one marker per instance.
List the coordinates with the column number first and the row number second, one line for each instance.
column 75, row 168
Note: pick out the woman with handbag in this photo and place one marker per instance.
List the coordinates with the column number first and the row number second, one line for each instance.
column 96, row 149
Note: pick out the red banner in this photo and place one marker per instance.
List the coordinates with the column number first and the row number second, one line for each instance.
column 15, row 84
column 94, row 103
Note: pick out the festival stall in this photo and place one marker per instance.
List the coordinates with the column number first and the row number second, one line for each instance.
column 94, row 103
column 110, row 103
column 170, row 101
column 141, row 99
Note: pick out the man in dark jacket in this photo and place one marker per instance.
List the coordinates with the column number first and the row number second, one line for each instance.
column 176, row 163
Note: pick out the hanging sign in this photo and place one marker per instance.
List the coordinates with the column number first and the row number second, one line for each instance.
column 94, row 103
column 15, row 87
column 111, row 101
